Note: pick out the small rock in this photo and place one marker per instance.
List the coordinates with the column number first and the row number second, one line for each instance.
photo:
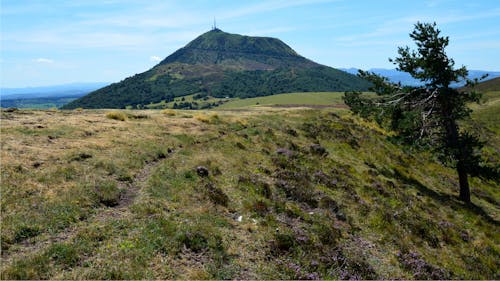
column 285, row 152
column 202, row 171
column 239, row 219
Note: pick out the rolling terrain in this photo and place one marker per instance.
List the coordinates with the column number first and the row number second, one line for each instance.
column 45, row 97
column 219, row 65
column 247, row 192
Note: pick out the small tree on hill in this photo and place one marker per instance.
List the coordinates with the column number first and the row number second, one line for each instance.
column 428, row 114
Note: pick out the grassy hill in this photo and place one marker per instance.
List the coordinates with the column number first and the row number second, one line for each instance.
column 219, row 65
column 492, row 85
column 290, row 99
column 255, row 193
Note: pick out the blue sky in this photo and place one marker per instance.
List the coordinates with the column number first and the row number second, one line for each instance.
column 50, row 42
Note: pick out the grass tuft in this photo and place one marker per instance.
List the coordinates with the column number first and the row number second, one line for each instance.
column 116, row 115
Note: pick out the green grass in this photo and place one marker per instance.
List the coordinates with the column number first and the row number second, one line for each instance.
column 124, row 200
column 320, row 98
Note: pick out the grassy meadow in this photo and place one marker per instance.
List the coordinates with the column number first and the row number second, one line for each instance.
column 249, row 193
column 297, row 99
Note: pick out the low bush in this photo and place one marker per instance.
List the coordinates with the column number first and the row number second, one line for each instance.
column 116, row 115
column 25, row 232
column 168, row 112
column 216, row 195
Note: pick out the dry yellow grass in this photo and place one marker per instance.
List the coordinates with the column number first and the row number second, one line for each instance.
column 169, row 112
column 56, row 164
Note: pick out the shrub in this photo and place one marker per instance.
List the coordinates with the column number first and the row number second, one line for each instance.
column 202, row 118
column 318, row 150
column 216, row 195
column 282, row 242
column 299, row 191
column 193, row 240
column 168, row 112
column 421, row 269
column 210, row 119
column 116, row 115
column 261, row 187
column 25, row 232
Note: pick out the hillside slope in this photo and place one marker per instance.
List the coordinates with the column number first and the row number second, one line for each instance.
column 221, row 64
column 488, row 85
column 261, row 193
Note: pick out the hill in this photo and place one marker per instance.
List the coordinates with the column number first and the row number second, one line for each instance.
column 220, row 64
column 491, row 85
column 309, row 99
column 255, row 193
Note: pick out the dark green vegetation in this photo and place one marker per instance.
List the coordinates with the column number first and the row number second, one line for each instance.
column 248, row 194
column 219, row 65
column 428, row 115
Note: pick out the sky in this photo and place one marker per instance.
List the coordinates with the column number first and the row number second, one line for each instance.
column 49, row 42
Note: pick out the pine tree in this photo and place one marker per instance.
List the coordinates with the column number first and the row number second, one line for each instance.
column 429, row 114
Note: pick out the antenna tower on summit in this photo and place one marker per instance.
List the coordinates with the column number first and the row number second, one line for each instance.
column 214, row 27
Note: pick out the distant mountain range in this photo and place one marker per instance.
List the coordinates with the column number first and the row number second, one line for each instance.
column 47, row 96
column 64, row 90
column 220, row 64
column 406, row 79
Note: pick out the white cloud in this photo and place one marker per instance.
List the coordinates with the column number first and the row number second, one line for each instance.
column 155, row 58
column 43, row 60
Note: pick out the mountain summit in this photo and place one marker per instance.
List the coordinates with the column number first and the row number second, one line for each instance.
column 221, row 64
column 234, row 50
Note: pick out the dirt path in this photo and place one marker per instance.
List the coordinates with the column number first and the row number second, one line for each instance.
column 131, row 191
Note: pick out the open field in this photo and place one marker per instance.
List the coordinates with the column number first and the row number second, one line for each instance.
column 253, row 193
column 320, row 98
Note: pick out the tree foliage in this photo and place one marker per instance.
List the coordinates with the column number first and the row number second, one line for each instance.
column 427, row 115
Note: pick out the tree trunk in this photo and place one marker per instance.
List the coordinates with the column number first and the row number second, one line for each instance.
column 452, row 141
column 464, row 184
